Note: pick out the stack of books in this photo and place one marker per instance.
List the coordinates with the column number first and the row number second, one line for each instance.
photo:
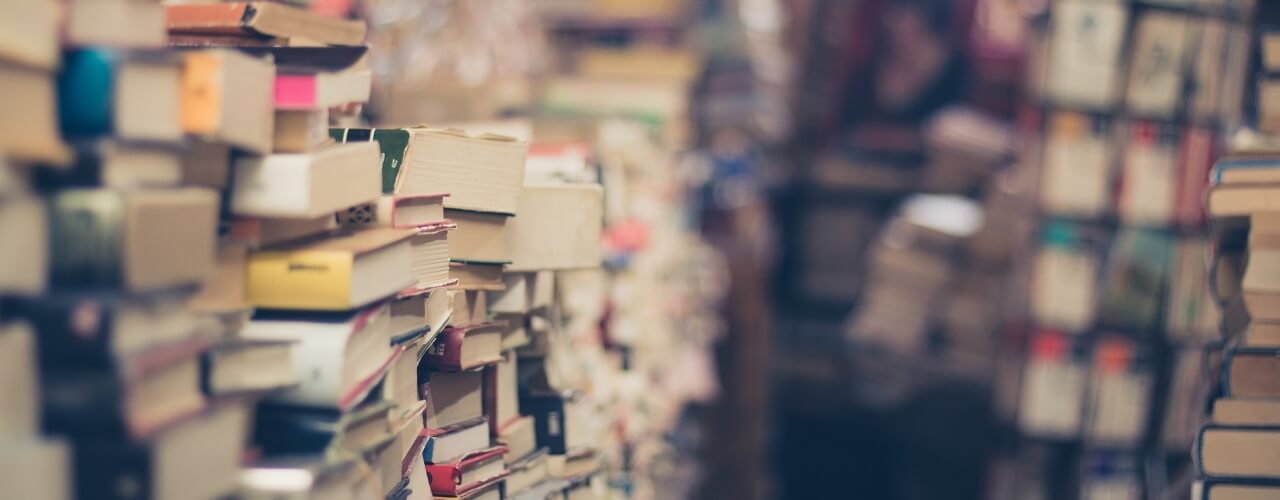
column 1241, row 424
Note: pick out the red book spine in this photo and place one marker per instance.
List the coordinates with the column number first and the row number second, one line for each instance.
column 446, row 352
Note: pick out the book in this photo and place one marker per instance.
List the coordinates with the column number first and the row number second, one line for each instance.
column 1231, row 411
column 322, row 90
column 465, row 348
column 1149, row 178
column 1077, row 177
column 451, row 397
column 296, row 430
column 134, row 95
column 526, row 470
column 1260, row 285
column 36, row 468
column 1085, row 50
column 1216, row 489
column 1206, row 79
column 1129, row 295
column 505, row 403
column 481, row 237
column 560, row 422
column 29, row 129
column 300, row 130
column 227, row 96
column 302, row 477
column 345, row 271
column 1156, row 66
column 1249, row 373
column 448, row 443
column 481, row 173
column 431, row 248
column 1064, row 278
column 20, row 418
column 29, row 35
column 491, row 490
column 338, row 356
column 93, row 329
column 198, row 458
column 519, row 436
column 1052, row 394
column 470, row 307
column 137, row 240
column 1196, row 154
column 471, row 471
column 481, row 276
column 117, row 164
column 114, row 23
column 305, row 185
column 143, row 394
column 249, row 366
column 262, row 18
column 1190, row 310
column 268, row 232
column 1121, row 390
column 301, row 58
column 517, row 295
column 1237, row 452
column 559, row 227
column 400, row 211
column 24, row 252
column 1262, row 335
column 206, row 164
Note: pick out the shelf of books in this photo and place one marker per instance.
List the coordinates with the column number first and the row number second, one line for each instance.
column 235, row 267
column 1105, row 369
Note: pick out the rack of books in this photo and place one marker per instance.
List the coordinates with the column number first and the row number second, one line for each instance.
column 1101, row 380
column 218, row 281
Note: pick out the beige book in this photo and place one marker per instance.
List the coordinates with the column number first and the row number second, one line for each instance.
column 115, row 23
column 482, row 173
column 558, row 227
column 300, row 131
column 474, row 276
column 227, row 96
column 307, row 185
column 29, row 124
column 480, row 236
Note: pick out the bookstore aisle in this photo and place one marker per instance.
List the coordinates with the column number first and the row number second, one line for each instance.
column 359, row 249
column 1037, row 268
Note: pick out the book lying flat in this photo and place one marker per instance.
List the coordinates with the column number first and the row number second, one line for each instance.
column 474, row 470
column 227, row 96
column 448, row 443
column 486, row 276
column 338, row 357
column 306, row 185
column 481, row 236
column 114, row 24
column 559, row 227
column 338, row 273
column 482, row 173
column 29, row 126
column 129, row 95
column 451, row 397
column 1238, row 452
column 249, row 366
column 197, row 458
column 465, row 348
column 136, row 240
column 263, row 18
column 303, row 91
column 122, row 324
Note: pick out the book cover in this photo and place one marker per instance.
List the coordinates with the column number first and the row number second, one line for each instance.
column 394, row 144
column 321, row 275
column 446, row 478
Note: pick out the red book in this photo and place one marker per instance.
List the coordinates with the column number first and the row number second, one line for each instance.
column 465, row 348
column 467, row 473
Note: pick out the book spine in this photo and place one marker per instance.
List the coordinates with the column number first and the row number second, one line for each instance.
column 86, row 91
column 300, row 280
column 444, row 478
column 548, row 414
column 446, row 352
column 201, row 92
column 88, row 237
column 296, row 91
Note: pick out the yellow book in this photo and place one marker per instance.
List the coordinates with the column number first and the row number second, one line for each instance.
column 340, row 273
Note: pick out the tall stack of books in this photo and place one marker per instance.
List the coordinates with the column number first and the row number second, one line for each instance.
column 33, row 463
column 1244, row 278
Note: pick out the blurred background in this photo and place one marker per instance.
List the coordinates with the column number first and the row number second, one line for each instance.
column 955, row 248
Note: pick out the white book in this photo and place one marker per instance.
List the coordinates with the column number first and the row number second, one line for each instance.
column 338, row 356
column 36, row 468
column 307, row 185
column 483, row 173
column 1084, row 53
